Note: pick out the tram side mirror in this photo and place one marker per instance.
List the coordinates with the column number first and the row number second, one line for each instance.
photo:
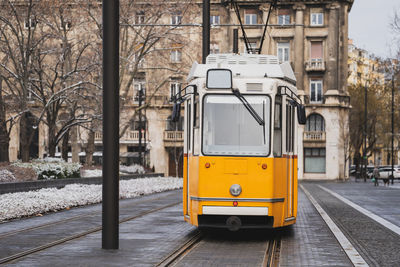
column 301, row 114
column 176, row 112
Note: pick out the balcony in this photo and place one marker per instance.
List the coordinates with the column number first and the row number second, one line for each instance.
column 173, row 138
column 315, row 64
column 129, row 137
column 314, row 136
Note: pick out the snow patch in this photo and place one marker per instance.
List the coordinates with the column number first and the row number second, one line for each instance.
column 16, row 205
column 51, row 168
column 134, row 168
column 6, row 176
column 91, row 173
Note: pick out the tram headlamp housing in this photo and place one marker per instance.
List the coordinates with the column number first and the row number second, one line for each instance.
column 235, row 190
column 219, row 79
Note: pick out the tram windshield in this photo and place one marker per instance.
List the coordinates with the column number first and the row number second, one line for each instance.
column 229, row 128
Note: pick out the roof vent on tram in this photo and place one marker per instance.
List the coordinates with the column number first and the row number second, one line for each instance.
column 211, row 59
column 254, row 87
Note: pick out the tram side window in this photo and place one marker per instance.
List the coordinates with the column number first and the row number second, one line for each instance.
column 278, row 127
column 188, row 127
column 196, row 123
column 196, row 111
column 289, row 128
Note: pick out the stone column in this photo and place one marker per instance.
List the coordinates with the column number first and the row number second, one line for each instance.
column 344, row 49
column 298, row 58
column 333, row 48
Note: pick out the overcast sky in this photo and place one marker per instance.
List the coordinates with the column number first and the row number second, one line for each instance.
column 369, row 25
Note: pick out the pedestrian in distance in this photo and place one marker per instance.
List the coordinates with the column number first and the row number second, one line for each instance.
column 376, row 176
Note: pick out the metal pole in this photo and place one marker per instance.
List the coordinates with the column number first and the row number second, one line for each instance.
column 392, row 125
column 206, row 29
column 110, row 232
column 365, row 161
column 140, row 126
column 236, row 41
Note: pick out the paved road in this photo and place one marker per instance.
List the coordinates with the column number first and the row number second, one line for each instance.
column 378, row 245
column 146, row 240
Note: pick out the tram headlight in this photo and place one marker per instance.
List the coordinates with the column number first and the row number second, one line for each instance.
column 235, row 190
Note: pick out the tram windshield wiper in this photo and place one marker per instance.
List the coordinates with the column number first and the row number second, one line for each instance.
column 247, row 105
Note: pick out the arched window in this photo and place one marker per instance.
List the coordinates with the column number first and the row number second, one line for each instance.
column 315, row 123
column 174, row 126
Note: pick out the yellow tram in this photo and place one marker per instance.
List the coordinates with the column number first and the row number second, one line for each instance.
column 240, row 142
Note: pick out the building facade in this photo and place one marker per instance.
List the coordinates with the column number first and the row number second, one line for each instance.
column 311, row 35
column 365, row 69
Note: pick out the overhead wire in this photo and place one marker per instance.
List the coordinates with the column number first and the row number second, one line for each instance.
column 246, row 39
column 273, row 4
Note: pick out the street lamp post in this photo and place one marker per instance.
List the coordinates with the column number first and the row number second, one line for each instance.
column 392, row 158
column 364, row 159
column 110, row 231
column 206, row 29
column 140, row 126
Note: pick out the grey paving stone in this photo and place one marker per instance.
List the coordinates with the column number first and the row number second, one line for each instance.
column 310, row 242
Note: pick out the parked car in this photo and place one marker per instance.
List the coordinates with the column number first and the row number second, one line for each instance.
column 352, row 169
column 370, row 169
column 386, row 172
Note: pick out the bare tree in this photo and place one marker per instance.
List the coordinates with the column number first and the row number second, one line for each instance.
column 19, row 40
column 146, row 42
column 60, row 67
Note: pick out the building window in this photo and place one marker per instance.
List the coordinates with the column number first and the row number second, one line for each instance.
column 136, row 125
column 317, row 19
column 174, row 126
column 284, row 17
column 315, row 123
column 139, row 85
column 316, row 91
column 176, row 18
column 283, row 50
column 139, row 18
column 30, row 23
column 314, row 160
column 250, row 17
column 316, row 51
column 253, row 48
column 138, row 61
column 176, row 55
column 214, row 20
column 214, row 49
column 175, row 88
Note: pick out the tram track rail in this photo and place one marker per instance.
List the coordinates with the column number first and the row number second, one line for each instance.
column 272, row 253
column 16, row 256
column 181, row 251
column 65, row 220
column 270, row 259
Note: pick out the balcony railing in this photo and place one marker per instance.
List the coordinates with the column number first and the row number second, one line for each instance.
column 314, row 136
column 128, row 136
column 173, row 136
column 315, row 64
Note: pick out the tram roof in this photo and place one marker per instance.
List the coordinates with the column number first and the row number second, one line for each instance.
column 245, row 66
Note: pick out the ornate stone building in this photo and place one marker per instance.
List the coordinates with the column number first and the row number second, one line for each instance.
column 311, row 35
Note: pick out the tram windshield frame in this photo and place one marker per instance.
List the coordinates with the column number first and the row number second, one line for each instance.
column 228, row 129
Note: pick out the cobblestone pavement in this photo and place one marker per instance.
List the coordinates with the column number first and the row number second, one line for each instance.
column 378, row 245
column 224, row 248
column 310, row 242
column 145, row 241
